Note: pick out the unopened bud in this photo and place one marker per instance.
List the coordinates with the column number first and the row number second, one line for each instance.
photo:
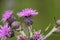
column 15, row 24
column 28, row 21
column 58, row 22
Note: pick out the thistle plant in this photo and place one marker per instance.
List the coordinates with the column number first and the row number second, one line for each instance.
column 10, row 23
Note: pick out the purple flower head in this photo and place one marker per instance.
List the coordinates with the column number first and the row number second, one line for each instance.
column 4, row 31
column 7, row 14
column 27, row 12
column 38, row 36
column 58, row 22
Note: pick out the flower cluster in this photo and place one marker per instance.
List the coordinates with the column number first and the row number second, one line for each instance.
column 11, row 25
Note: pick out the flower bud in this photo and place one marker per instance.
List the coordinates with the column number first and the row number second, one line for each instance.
column 15, row 24
column 58, row 22
column 28, row 21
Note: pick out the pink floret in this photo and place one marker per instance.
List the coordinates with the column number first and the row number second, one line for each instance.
column 27, row 12
column 38, row 36
column 7, row 14
column 4, row 31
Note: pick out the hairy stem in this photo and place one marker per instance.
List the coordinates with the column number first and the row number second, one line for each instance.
column 51, row 32
column 30, row 30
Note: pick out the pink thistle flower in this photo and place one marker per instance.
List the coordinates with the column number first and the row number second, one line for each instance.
column 4, row 31
column 7, row 14
column 38, row 36
column 27, row 12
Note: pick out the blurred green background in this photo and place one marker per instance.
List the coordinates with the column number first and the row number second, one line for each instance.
column 48, row 9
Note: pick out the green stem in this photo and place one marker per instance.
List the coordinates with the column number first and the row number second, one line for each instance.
column 51, row 32
column 30, row 30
